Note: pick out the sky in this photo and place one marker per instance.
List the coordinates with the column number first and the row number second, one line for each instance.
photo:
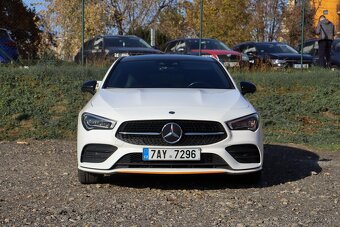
column 37, row 4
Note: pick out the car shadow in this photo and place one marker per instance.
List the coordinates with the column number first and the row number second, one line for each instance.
column 282, row 164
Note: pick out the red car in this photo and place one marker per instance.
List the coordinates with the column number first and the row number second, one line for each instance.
column 209, row 48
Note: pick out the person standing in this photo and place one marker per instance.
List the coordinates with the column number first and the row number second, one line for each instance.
column 326, row 32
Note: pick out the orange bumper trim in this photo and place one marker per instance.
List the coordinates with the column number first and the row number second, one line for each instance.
column 170, row 173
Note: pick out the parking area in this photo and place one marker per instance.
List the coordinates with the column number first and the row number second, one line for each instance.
column 39, row 186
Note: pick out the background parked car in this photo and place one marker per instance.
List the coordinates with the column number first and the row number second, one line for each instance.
column 8, row 47
column 111, row 47
column 275, row 54
column 312, row 47
column 209, row 47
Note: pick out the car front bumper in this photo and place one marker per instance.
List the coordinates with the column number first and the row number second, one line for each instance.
column 240, row 153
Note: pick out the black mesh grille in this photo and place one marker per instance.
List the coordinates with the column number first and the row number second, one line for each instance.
column 96, row 153
column 157, row 125
column 134, row 160
column 246, row 153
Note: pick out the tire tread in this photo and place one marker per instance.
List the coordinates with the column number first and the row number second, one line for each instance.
column 88, row 178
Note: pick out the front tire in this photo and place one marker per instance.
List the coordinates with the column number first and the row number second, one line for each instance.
column 89, row 178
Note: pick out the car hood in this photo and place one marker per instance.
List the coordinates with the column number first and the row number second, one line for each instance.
column 290, row 56
column 217, row 52
column 188, row 103
column 132, row 50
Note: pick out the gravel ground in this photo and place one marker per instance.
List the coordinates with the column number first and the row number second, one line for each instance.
column 39, row 186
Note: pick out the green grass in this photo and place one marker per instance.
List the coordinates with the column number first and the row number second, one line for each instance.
column 298, row 107
column 42, row 102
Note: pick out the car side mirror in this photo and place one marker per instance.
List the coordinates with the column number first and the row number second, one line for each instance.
column 89, row 86
column 247, row 87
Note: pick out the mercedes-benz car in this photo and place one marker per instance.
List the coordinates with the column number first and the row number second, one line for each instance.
column 274, row 54
column 168, row 114
column 108, row 48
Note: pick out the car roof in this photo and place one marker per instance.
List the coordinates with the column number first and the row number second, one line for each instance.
column 118, row 36
column 255, row 42
column 187, row 39
column 113, row 36
column 270, row 43
column 179, row 57
column 199, row 38
column 5, row 30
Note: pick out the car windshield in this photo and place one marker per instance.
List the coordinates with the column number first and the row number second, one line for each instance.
column 275, row 48
column 336, row 46
column 207, row 44
column 168, row 74
column 125, row 42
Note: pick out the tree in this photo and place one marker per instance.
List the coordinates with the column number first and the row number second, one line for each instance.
column 266, row 19
column 22, row 22
column 64, row 18
column 292, row 22
column 173, row 22
column 225, row 20
column 126, row 16
column 143, row 33
column 106, row 16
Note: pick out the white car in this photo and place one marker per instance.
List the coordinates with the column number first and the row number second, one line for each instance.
column 168, row 114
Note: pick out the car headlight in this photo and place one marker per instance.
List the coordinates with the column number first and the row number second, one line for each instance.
column 277, row 61
column 244, row 57
column 250, row 122
column 91, row 121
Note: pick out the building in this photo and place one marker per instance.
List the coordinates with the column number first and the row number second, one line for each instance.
column 329, row 8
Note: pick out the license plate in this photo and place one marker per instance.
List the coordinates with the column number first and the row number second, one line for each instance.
column 169, row 154
column 298, row 66
column 231, row 64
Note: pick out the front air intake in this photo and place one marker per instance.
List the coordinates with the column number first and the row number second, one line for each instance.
column 246, row 153
column 96, row 153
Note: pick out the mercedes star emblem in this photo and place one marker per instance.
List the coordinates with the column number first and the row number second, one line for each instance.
column 171, row 133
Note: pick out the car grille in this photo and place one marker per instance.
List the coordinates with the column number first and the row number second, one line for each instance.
column 134, row 160
column 148, row 132
column 228, row 58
